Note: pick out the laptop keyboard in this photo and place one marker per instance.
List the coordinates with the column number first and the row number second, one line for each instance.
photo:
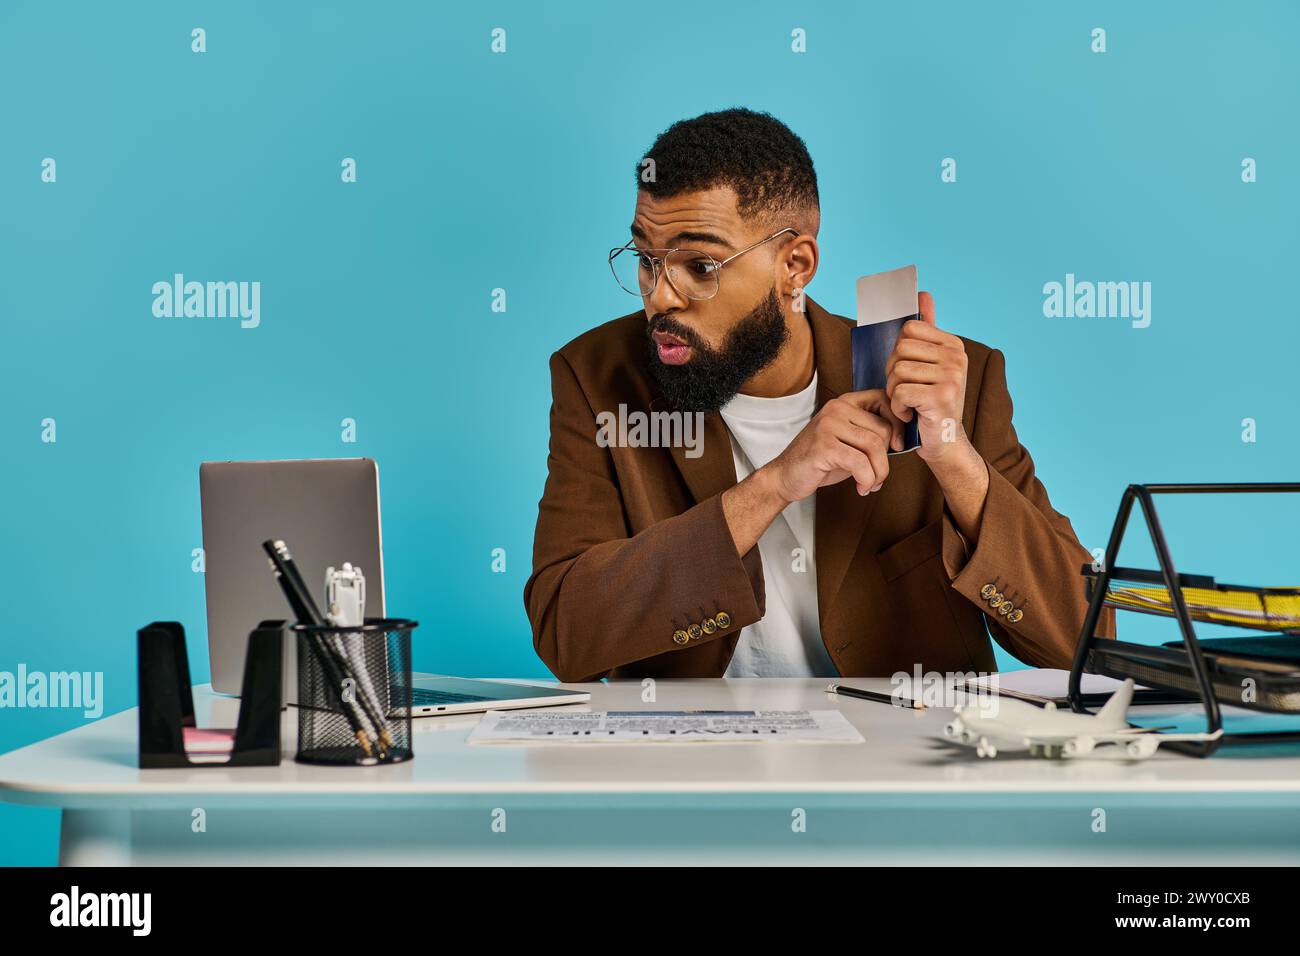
column 422, row 697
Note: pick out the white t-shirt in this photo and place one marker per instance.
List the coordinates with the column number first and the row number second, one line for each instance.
column 787, row 642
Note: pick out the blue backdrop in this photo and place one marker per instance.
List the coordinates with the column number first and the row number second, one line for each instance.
column 478, row 170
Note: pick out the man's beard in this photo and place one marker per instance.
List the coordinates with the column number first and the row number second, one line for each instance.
column 712, row 377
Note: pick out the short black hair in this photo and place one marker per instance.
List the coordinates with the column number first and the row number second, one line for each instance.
column 754, row 153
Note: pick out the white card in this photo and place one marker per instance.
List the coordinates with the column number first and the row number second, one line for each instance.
column 887, row 296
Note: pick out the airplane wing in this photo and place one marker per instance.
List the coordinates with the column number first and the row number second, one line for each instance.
column 1057, row 737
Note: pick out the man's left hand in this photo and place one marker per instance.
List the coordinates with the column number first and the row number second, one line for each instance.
column 927, row 378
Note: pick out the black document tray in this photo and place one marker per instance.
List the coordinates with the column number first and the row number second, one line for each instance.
column 1213, row 673
column 1168, row 667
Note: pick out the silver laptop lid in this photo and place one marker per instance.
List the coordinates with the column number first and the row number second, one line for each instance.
column 326, row 510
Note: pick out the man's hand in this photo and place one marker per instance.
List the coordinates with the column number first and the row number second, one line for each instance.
column 926, row 377
column 850, row 436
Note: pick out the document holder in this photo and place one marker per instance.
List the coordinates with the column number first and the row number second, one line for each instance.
column 1210, row 676
column 167, row 702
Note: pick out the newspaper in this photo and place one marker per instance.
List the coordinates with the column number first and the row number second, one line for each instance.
column 662, row 726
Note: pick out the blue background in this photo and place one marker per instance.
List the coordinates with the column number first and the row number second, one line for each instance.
column 478, row 171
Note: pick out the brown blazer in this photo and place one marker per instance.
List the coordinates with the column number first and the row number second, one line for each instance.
column 635, row 573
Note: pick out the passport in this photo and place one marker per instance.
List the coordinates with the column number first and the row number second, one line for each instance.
column 885, row 301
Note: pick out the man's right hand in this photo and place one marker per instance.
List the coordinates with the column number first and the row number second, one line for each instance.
column 850, row 436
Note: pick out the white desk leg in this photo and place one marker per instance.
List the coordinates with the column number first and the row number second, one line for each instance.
column 95, row 838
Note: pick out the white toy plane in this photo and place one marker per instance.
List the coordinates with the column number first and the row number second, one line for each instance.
column 1015, row 725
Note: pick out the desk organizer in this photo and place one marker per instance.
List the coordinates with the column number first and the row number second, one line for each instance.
column 367, row 720
column 1207, row 675
column 167, row 702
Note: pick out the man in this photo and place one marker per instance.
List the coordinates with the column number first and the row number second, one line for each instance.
column 790, row 544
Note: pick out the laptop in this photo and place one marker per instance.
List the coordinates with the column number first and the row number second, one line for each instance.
column 246, row 502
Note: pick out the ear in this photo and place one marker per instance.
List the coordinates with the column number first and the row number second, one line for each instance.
column 925, row 304
column 796, row 265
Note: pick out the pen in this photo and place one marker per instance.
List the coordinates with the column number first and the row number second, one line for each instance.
column 873, row 695
column 305, row 609
column 345, row 601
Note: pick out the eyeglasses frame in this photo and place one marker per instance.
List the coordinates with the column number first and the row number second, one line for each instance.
column 657, row 262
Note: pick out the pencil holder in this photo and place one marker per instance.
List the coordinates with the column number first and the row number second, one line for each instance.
column 354, row 693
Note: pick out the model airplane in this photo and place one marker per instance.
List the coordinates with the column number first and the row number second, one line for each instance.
column 1014, row 725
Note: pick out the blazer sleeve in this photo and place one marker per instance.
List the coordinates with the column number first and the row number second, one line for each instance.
column 600, row 597
column 1027, row 550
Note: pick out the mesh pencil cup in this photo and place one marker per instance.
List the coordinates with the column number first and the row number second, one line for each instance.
column 354, row 693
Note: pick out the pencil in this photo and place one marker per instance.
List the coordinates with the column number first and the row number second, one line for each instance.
column 874, row 695
column 305, row 609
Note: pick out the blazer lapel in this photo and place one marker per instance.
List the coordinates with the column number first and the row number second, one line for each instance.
column 714, row 471
column 842, row 513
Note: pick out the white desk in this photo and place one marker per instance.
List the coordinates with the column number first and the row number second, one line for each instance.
column 902, row 797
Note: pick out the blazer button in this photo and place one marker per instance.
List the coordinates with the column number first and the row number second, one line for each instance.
column 695, row 632
column 1015, row 615
column 1005, row 608
column 680, row 637
column 988, row 591
column 995, row 601
column 710, row 625
column 723, row 619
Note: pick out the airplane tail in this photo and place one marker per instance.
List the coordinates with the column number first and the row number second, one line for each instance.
column 1116, row 709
